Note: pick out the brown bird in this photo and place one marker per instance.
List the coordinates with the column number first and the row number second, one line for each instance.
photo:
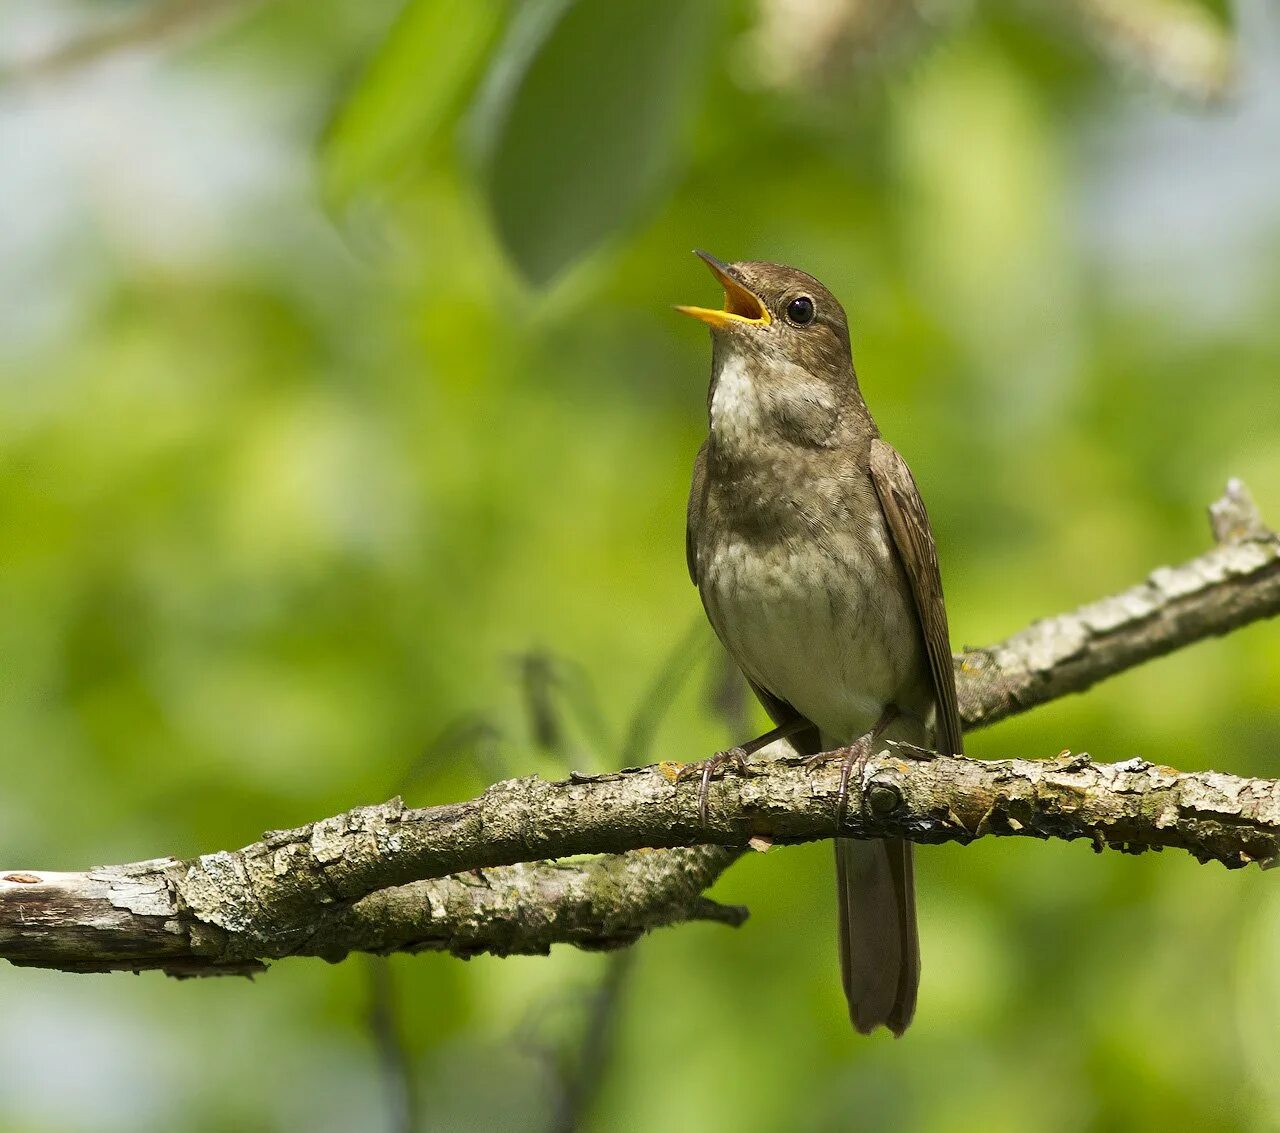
column 813, row 555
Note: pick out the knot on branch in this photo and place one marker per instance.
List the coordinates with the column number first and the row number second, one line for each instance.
column 883, row 797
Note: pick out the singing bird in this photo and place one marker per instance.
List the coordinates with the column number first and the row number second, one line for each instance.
column 812, row 553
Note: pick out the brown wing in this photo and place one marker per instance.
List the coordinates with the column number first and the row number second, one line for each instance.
column 913, row 539
column 697, row 493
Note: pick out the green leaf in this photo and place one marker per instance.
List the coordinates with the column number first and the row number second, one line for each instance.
column 411, row 90
column 578, row 120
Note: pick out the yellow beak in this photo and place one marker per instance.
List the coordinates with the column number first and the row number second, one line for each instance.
column 741, row 305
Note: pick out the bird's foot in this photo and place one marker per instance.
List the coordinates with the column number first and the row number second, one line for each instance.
column 855, row 755
column 710, row 768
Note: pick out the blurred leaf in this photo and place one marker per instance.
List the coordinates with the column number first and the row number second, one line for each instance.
column 411, row 90
column 577, row 123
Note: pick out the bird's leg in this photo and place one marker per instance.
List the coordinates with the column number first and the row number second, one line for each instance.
column 856, row 755
column 738, row 757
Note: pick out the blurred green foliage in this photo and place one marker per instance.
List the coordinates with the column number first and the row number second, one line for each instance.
column 307, row 495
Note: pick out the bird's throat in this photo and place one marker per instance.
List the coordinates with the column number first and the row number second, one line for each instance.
column 736, row 410
column 760, row 405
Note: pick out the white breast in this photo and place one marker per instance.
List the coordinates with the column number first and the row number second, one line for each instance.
column 815, row 625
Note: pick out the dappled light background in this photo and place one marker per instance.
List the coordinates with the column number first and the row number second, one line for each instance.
column 345, row 430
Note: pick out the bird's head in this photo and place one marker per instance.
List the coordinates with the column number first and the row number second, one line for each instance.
column 779, row 314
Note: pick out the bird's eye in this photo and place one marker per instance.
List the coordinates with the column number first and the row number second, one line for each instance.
column 800, row 310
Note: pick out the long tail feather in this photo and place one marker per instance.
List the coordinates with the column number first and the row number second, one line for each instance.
column 879, row 943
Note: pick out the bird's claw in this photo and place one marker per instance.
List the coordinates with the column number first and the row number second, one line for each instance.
column 811, row 761
column 708, row 768
column 855, row 755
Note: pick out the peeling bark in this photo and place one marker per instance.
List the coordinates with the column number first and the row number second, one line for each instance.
column 135, row 917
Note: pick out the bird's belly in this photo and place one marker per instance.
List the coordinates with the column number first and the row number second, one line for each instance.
column 826, row 627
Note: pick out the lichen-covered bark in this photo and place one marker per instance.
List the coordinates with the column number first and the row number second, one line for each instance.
column 523, row 909
column 135, row 917
column 469, row 877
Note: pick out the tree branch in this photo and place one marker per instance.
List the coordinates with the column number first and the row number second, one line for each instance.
column 377, row 878
column 141, row 27
column 137, row 916
column 1236, row 583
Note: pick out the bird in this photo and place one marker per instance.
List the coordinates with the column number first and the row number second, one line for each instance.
column 816, row 565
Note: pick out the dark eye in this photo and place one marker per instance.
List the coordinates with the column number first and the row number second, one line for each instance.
column 800, row 310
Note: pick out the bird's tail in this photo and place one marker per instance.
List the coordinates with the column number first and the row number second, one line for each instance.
column 879, row 944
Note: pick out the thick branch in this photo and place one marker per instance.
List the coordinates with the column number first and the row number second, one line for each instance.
column 331, row 887
column 134, row 917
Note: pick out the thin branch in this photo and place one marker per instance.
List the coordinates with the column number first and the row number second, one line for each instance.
column 375, row 878
column 148, row 26
column 389, row 1044
column 1236, row 583
column 661, row 693
column 580, row 1082
column 1178, row 44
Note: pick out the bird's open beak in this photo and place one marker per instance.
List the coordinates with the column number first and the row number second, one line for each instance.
column 741, row 304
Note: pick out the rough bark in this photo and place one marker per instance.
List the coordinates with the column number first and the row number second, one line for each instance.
column 134, row 917
column 378, row 878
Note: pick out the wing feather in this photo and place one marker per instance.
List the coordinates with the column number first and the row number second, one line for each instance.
column 908, row 524
column 697, row 499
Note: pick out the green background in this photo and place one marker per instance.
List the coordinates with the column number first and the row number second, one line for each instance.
column 345, row 430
